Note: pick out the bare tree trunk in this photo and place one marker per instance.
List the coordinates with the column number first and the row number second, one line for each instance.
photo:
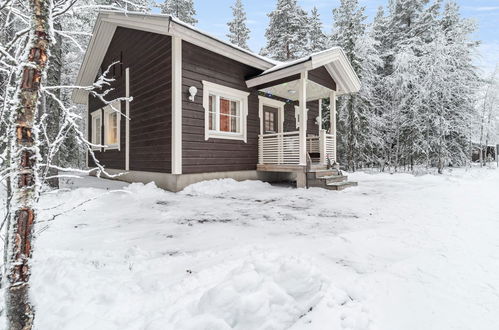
column 20, row 313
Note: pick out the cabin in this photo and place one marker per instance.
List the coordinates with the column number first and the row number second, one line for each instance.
column 204, row 109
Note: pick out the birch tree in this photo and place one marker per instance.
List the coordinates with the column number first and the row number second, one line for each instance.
column 24, row 152
column 28, row 37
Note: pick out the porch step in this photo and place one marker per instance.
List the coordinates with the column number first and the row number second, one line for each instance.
column 319, row 173
column 331, row 179
column 334, row 178
column 341, row 185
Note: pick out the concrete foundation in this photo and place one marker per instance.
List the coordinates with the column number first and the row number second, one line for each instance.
column 178, row 182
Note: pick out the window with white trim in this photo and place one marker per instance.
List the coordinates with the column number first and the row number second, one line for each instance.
column 225, row 112
column 112, row 119
column 96, row 137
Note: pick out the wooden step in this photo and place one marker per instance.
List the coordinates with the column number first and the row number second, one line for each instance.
column 316, row 167
column 319, row 173
column 334, row 178
column 341, row 185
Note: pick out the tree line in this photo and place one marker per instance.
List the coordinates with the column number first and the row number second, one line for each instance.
column 422, row 101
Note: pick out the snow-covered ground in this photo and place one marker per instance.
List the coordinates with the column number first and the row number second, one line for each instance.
column 398, row 252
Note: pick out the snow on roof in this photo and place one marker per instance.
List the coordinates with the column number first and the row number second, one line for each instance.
column 284, row 65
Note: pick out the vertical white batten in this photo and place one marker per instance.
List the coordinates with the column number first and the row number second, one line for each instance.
column 176, row 105
column 87, row 122
column 332, row 118
column 303, row 117
column 127, row 122
column 320, row 115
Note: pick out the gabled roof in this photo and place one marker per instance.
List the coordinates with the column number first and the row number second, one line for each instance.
column 333, row 59
column 108, row 21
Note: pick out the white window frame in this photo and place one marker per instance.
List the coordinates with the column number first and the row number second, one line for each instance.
column 107, row 111
column 97, row 114
column 231, row 94
column 279, row 105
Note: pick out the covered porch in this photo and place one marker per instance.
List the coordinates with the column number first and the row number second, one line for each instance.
column 296, row 90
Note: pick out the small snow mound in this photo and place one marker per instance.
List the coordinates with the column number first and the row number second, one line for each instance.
column 224, row 186
column 262, row 293
column 144, row 190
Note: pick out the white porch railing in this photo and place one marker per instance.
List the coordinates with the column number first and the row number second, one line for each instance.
column 327, row 144
column 279, row 148
column 284, row 148
column 313, row 144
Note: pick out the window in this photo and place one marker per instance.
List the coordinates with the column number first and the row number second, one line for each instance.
column 96, row 125
column 226, row 110
column 271, row 113
column 269, row 122
column 112, row 127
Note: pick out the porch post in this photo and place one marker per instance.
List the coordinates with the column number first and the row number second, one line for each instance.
column 332, row 116
column 303, row 117
column 320, row 115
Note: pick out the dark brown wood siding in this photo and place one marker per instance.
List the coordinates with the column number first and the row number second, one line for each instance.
column 322, row 77
column 290, row 119
column 148, row 56
column 214, row 155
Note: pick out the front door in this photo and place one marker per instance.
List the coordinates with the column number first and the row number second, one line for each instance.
column 270, row 122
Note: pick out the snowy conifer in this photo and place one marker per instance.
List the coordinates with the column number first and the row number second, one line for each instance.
column 182, row 9
column 239, row 33
column 317, row 39
column 348, row 29
column 287, row 31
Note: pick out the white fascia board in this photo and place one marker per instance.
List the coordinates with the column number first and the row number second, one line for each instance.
column 271, row 102
column 106, row 25
column 334, row 60
column 149, row 24
column 276, row 75
column 97, row 48
column 173, row 27
column 94, row 56
column 218, row 47
column 324, row 58
column 333, row 72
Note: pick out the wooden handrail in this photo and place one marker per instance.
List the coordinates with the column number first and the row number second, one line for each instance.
column 278, row 134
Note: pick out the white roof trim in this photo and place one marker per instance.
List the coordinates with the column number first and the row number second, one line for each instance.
column 334, row 60
column 108, row 21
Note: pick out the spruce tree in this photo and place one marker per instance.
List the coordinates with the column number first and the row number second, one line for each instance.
column 182, row 9
column 317, row 39
column 287, row 31
column 348, row 29
column 239, row 33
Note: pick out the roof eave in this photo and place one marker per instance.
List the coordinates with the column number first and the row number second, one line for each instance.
column 334, row 60
column 108, row 21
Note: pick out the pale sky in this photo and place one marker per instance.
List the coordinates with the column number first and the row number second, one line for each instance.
column 214, row 14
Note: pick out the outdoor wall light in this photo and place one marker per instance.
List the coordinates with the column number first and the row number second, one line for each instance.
column 291, row 91
column 193, row 91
